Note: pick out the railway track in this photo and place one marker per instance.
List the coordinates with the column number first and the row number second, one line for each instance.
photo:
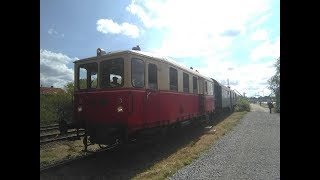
column 51, row 134
column 49, row 128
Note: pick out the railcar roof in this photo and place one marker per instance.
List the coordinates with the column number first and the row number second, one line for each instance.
column 150, row 55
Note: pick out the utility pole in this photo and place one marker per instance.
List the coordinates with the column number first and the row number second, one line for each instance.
column 244, row 94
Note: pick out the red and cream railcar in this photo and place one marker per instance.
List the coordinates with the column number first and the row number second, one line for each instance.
column 118, row 94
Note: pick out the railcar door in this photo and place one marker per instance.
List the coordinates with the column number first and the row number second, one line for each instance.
column 218, row 95
column 152, row 98
column 151, row 108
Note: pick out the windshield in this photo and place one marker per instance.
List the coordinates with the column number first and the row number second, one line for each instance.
column 111, row 73
column 87, row 77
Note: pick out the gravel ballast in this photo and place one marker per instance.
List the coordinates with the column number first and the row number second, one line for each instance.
column 250, row 151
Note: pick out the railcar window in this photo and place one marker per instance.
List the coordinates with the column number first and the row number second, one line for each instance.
column 185, row 82
column 173, row 75
column 111, row 73
column 87, row 77
column 195, row 85
column 137, row 72
column 210, row 88
column 152, row 76
column 205, row 87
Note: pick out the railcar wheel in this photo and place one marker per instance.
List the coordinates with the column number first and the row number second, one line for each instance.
column 102, row 146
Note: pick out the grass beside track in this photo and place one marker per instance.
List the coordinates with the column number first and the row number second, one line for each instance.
column 51, row 153
column 185, row 155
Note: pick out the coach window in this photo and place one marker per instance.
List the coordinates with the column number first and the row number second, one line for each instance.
column 195, row 85
column 152, row 76
column 205, row 87
column 87, row 77
column 173, row 79
column 111, row 73
column 137, row 72
column 210, row 89
column 185, row 82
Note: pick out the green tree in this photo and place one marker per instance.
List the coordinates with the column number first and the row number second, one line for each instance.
column 243, row 104
column 51, row 106
column 69, row 89
column 274, row 85
column 56, row 106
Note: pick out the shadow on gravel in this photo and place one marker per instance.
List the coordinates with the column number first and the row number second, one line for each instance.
column 126, row 161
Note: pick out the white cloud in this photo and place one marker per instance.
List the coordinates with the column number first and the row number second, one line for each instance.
column 54, row 33
column 224, row 14
column 108, row 26
column 266, row 49
column 261, row 20
column 260, row 35
column 250, row 78
column 207, row 30
column 54, row 70
column 195, row 28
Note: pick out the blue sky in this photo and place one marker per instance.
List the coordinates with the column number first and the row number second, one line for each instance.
column 230, row 39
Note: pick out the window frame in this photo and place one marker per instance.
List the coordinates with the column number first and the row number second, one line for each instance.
column 173, row 77
column 144, row 72
column 195, row 82
column 103, row 86
column 87, row 76
column 185, row 82
column 205, row 87
column 156, row 76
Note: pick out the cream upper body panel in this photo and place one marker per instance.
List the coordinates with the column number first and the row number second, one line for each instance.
column 163, row 65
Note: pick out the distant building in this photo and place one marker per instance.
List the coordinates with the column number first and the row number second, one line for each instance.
column 51, row 90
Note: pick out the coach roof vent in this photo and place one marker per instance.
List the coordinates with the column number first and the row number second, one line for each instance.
column 101, row 52
column 137, row 48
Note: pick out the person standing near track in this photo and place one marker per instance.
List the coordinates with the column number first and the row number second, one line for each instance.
column 270, row 105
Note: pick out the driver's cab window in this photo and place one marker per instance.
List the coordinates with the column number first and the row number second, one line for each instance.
column 87, row 77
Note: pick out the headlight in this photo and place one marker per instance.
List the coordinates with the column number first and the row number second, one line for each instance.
column 79, row 108
column 120, row 109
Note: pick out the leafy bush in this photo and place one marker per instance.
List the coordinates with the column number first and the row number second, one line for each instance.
column 274, row 85
column 55, row 106
column 51, row 106
column 243, row 105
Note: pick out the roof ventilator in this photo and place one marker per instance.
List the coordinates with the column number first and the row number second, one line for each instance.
column 137, row 48
column 101, row 52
